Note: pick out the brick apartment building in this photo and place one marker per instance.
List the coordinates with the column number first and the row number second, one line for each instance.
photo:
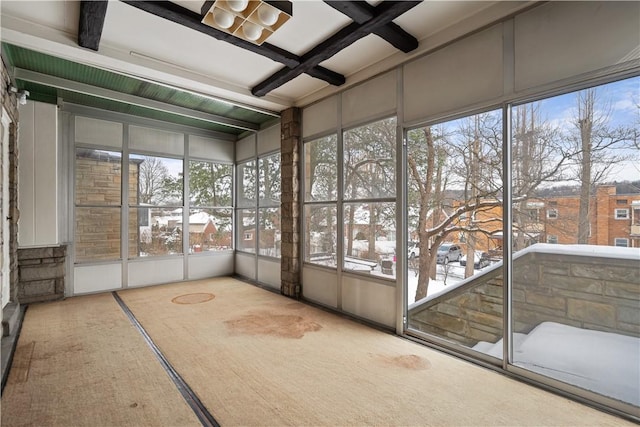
column 614, row 221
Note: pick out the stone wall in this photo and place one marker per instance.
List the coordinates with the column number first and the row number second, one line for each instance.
column 97, row 228
column 10, row 104
column 587, row 292
column 290, row 206
column 468, row 314
column 41, row 274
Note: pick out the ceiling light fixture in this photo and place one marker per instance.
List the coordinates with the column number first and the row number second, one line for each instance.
column 251, row 20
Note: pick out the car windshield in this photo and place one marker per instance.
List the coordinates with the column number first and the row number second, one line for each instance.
column 444, row 248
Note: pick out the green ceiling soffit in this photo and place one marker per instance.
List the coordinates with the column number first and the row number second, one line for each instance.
column 50, row 65
column 41, row 93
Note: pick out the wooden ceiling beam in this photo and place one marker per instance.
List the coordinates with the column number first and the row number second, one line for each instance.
column 383, row 14
column 91, row 23
column 183, row 16
column 361, row 12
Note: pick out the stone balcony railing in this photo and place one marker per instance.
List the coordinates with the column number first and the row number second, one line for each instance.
column 586, row 286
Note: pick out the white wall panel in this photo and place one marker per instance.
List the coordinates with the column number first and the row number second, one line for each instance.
column 245, row 265
column 26, row 176
column 98, row 132
column 96, row 278
column 210, row 148
column 151, row 272
column 202, row 267
column 321, row 117
column 560, row 40
column 369, row 300
column 370, row 99
column 38, row 175
column 269, row 139
column 246, row 147
column 269, row 272
column 465, row 73
column 160, row 141
column 320, row 286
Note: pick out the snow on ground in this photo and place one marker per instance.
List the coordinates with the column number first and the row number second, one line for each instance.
column 603, row 362
column 447, row 278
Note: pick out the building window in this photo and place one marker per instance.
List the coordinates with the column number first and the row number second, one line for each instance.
column 621, row 242
column 552, row 213
column 622, row 214
column 552, row 239
column 622, row 202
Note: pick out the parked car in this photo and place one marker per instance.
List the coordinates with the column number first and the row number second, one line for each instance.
column 480, row 260
column 448, row 252
column 413, row 250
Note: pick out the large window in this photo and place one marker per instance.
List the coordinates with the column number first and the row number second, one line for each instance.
column 210, row 214
column 573, row 159
column 156, row 199
column 269, row 206
column 321, row 194
column 258, row 214
column 454, row 190
column 98, row 201
column 247, row 186
column 146, row 190
column 366, row 201
column 369, row 208
column 579, row 150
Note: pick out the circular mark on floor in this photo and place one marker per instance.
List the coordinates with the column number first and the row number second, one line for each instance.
column 193, row 298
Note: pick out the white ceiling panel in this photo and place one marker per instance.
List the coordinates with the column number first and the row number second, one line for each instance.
column 151, row 47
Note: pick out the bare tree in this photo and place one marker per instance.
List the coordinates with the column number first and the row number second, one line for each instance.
column 152, row 177
column 539, row 156
column 437, row 159
column 598, row 149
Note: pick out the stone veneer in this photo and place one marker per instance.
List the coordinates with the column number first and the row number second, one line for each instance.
column 587, row 292
column 290, row 206
column 42, row 274
column 10, row 104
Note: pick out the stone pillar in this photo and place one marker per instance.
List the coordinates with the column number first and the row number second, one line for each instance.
column 290, row 207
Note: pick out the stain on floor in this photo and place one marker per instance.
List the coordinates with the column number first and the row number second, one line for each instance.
column 272, row 324
column 407, row 361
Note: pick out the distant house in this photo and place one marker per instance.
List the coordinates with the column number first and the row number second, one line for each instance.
column 205, row 234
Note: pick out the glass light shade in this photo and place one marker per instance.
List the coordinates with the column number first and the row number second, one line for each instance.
column 251, row 31
column 238, row 5
column 223, row 19
column 268, row 15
